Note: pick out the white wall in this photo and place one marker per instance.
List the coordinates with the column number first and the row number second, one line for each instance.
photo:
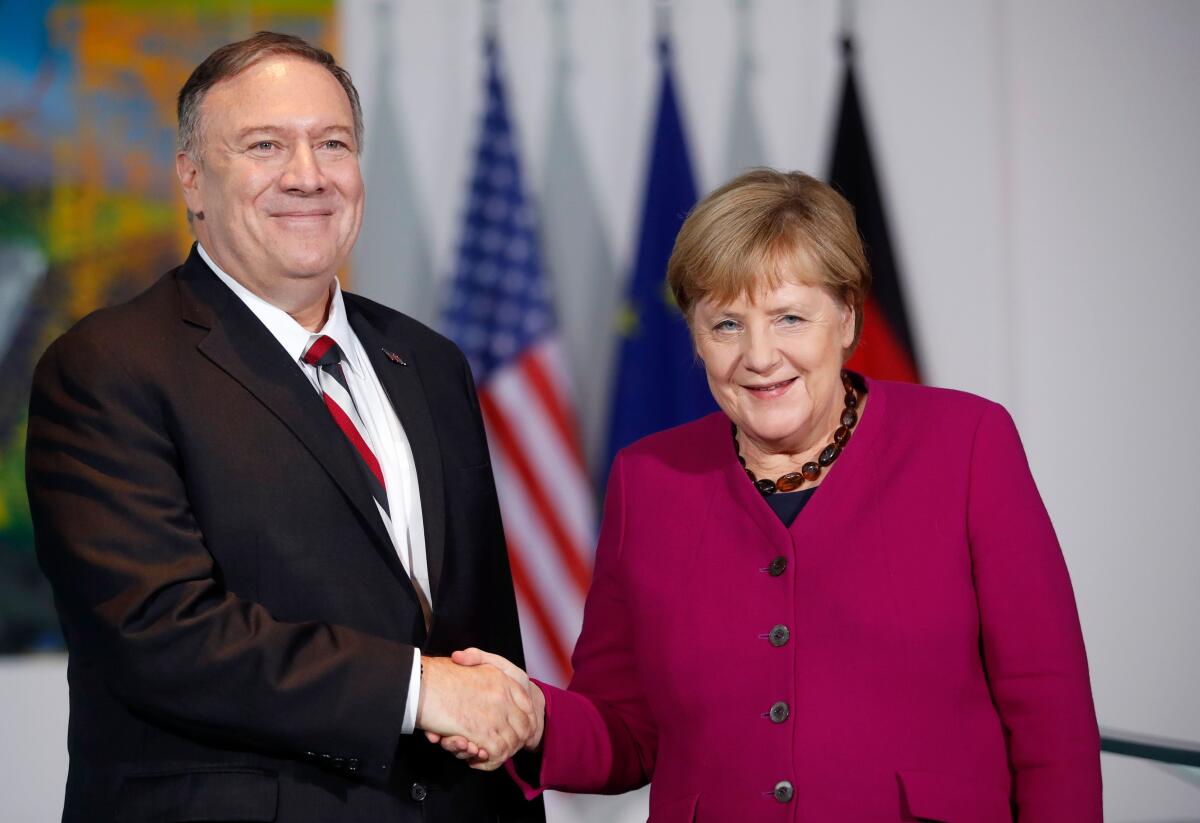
column 1040, row 167
column 33, row 731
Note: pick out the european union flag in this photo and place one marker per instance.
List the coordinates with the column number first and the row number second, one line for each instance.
column 659, row 383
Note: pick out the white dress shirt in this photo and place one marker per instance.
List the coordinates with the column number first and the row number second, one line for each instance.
column 384, row 433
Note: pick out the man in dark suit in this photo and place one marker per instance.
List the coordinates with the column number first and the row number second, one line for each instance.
column 266, row 507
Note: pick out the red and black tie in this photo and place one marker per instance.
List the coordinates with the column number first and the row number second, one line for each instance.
column 324, row 353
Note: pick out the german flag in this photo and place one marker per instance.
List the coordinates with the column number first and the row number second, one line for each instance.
column 886, row 350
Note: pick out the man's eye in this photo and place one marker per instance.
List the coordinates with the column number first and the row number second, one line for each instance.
column 334, row 145
column 263, row 146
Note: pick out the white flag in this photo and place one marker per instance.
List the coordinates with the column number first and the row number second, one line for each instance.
column 744, row 147
column 578, row 260
column 391, row 258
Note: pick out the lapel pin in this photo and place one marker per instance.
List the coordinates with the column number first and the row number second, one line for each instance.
column 395, row 358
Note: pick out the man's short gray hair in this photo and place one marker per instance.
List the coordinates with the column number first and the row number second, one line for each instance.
column 232, row 59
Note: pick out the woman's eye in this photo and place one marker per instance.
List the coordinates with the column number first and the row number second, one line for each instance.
column 791, row 319
column 725, row 325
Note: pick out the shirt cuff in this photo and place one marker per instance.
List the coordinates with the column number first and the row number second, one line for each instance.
column 414, row 695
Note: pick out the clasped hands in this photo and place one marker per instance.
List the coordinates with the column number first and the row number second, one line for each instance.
column 480, row 707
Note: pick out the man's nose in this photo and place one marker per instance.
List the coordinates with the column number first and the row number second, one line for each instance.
column 303, row 173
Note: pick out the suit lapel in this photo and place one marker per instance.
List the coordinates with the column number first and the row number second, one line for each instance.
column 400, row 375
column 242, row 347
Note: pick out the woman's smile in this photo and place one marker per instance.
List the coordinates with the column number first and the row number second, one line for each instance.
column 770, row 390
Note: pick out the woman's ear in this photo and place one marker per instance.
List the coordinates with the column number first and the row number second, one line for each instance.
column 848, row 319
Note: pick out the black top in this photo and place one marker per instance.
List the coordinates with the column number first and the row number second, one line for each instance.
column 788, row 504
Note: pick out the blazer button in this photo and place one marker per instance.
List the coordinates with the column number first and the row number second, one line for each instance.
column 783, row 791
column 779, row 712
column 780, row 636
column 418, row 792
column 778, row 566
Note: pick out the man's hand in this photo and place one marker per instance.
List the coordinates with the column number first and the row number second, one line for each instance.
column 480, row 756
column 474, row 703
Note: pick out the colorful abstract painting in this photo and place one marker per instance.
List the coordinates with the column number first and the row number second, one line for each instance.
column 89, row 209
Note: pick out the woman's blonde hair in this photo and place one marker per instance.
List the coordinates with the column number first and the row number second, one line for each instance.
column 763, row 228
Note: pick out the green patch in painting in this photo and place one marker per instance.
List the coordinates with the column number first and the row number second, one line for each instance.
column 15, row 523
column 23, row 216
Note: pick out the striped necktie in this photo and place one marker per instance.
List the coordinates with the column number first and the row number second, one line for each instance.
column 324, row 353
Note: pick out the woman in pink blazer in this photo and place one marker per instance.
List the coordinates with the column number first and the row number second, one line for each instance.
column 836, row 599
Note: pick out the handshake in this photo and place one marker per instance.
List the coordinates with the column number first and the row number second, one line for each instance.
column 479, row 707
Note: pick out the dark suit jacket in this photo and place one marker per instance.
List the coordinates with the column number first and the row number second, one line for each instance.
column 240, row 628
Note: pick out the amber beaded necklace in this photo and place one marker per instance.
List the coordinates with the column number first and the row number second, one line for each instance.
column 811, row 470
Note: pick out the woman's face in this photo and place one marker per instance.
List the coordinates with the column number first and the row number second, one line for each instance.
column 774, row 363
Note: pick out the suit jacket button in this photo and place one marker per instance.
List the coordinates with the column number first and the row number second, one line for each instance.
column 783, row 791
column 418, row 792
column 779, row 712
column 780, row 636
column 778, row 566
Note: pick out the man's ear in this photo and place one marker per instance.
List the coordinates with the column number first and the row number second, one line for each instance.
column 189, row 173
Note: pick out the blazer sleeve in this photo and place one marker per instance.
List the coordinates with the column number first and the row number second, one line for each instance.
column 1032, row 644
column 503, row 628
column 600, row 736
column 141, row 600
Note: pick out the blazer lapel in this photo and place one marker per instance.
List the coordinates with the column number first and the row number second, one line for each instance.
column 241, row 346
column 739, row 488
column 400, row 374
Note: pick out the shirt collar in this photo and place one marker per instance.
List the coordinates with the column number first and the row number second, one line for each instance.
column 291, row 335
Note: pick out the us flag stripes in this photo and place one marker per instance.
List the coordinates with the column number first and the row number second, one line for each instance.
column 500, row 312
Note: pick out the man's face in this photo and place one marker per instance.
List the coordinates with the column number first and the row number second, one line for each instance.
column 277, row 191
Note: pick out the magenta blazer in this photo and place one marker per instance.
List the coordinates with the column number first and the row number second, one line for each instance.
column 908, row 650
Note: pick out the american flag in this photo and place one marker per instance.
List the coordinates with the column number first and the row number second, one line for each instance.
column 501, row 313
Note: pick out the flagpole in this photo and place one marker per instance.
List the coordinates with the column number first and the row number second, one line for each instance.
column 491, row 18
column 743, row 12
column 848, row 17
column 663, row 12
column 561, row 60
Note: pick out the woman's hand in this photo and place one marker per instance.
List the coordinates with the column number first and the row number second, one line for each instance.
column 464, row 749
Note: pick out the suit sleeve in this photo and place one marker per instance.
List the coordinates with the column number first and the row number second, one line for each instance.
column 504, row 629
column 141, row 600
column 1032, row 644
column 600, row 736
